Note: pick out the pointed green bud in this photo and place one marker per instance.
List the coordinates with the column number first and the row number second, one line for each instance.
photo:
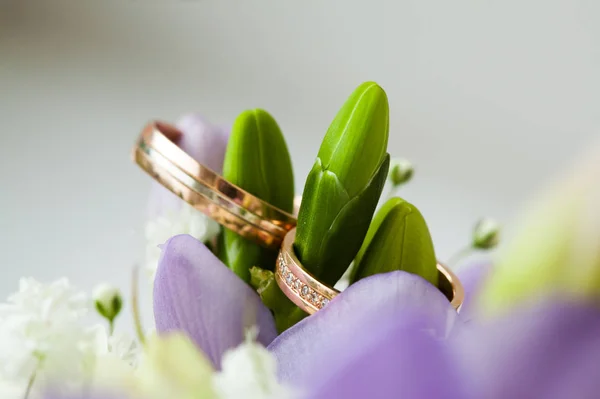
column 555, row 255
column 108, row 301
column 486, row 234
column 398, row 239
column 257, row 160
column 356, row 142
column 401, row 171
column 343, row 188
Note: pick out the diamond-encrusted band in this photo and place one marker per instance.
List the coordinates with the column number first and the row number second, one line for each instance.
column 310, row 295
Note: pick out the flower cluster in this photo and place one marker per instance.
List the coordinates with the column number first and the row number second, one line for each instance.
column 49, row 349
column 529, row 326
column 44, row 337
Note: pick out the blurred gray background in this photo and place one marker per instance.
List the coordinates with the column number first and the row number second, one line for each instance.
column 488, row 98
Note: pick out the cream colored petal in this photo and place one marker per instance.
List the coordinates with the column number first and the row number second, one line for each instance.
column 173, row 367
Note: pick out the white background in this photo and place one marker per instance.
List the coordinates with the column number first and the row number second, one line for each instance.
column 488, row 99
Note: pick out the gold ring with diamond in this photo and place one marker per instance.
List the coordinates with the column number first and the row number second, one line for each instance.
column 310, row 295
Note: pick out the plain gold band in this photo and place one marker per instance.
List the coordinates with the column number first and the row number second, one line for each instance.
column 207, row 191
column 310, row 295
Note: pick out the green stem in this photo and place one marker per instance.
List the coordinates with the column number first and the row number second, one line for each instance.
column 460, row 255
column 30, row 384
column 392, row 193
column 135, row 307
column 111, row 327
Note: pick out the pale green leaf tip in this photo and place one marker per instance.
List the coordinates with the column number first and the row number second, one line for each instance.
column 555, row 254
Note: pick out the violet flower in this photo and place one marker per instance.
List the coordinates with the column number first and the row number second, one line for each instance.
column 387, row 336
column 547, row 350
column 194, row 291
column 197, row 294
column 395, row 335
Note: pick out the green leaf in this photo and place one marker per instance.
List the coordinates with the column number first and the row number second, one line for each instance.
column 344, row 185
column 398, row 239
column 257, row 160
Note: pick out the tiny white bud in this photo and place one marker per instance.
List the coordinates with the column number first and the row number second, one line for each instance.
column 108, row 301
column 486, row 234
column 401, row 171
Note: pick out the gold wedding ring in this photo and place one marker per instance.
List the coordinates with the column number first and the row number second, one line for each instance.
column 247, row 215
column 310, row 295
column 199, row 186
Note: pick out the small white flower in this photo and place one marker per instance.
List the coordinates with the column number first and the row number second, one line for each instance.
column 125, row 348
column 119, row 345
column 57, row 301
column 11, row 389
column 250, row 371
column 186, row 220
column 38, row 323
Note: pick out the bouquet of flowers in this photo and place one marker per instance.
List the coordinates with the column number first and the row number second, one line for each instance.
column 334, row 294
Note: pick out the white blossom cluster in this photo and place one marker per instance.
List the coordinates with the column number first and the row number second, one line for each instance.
column 250, row 371
column 43, row 337
column 46, row 347
column 185, row 220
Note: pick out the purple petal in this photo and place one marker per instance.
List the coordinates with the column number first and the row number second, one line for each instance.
column 549, row 351
column 206, row 143
column 370, row 303
column 400, row 360
column 194, row 292
column 472, row 274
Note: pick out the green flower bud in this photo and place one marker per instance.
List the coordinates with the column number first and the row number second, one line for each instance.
column 344, row 185
column 555, row 254
column 108, row 301
column 401, row 171
column 398, row 239
column 257, row 160
column 286, row 313
column 260, row 279
column 486, row 234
